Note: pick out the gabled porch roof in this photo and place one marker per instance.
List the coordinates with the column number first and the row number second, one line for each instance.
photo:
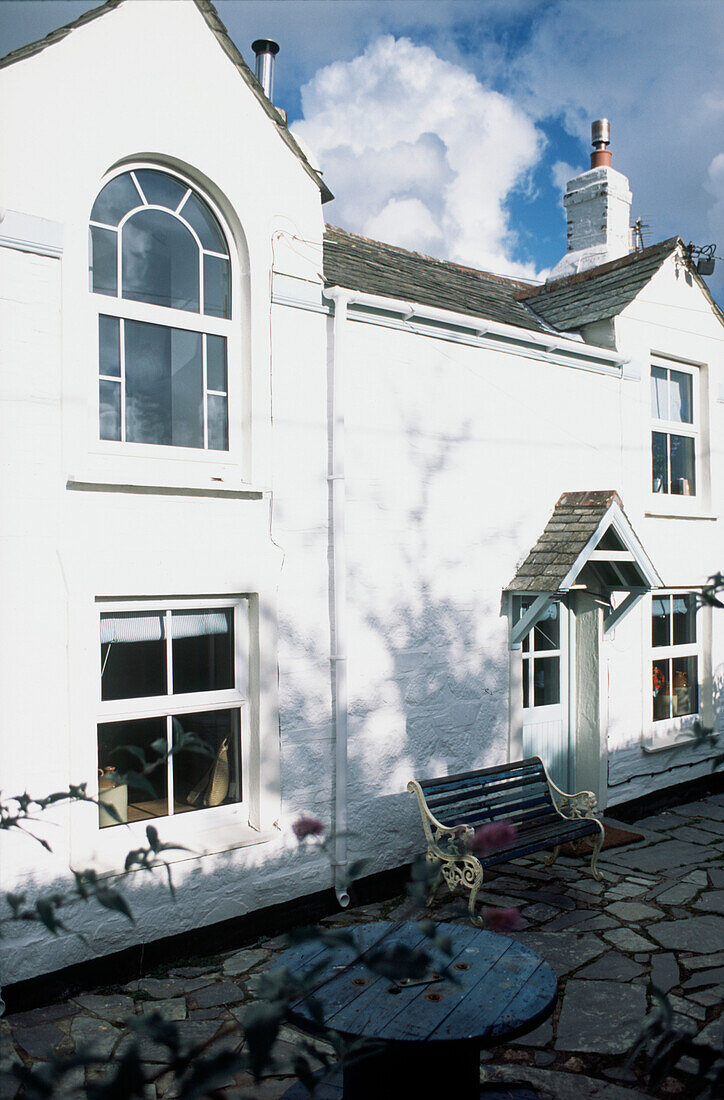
column 588, row 543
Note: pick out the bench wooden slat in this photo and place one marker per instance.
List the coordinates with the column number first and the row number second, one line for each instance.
column 518, row 793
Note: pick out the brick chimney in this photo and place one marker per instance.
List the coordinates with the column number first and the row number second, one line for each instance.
column 598, row 205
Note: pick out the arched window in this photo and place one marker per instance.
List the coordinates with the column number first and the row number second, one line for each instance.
column 161, row 260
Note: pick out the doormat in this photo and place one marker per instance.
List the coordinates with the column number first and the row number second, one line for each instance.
column 613, row 838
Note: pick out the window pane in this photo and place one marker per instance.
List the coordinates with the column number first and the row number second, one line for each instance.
column 216, row 287
column 203, row 222
column 684, row 615
column 547, row 632
column 683, row 481
column 116, row 199
column 685, row 694
column 131, row 801
column 546, row 681
column 680, row 403
column 660, row 610
column 201, row 780
column 187, row 389
column 661, row 680
column 160, row 261
column 133, row 655
column 103, row 267
column 160, row 189
column 148, row 382
column 109, row 344
column 216, row 363
column 164, row 385
column 110, row 410
column 202, row 650
column 218, row 426
column 660, row 462
column 659, row 394
column 526, row 686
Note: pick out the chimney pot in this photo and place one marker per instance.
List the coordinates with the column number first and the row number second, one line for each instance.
column 266, row 50
column 600, row 138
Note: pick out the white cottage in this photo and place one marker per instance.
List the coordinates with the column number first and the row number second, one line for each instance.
column 345, row 513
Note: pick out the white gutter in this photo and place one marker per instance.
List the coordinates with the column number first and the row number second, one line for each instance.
column 553, row 342
column 338, row 602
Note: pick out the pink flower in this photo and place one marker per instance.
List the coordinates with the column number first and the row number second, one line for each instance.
column 502, row 920
column 493, row 837
column 306, row 825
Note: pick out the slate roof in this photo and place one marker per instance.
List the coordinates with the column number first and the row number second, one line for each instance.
column 211, row 16
column 359, row 263
column 600, row 292
column 574, row 521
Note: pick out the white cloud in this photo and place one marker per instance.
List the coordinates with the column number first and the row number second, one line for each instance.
column 420, row 152
column 715, row 186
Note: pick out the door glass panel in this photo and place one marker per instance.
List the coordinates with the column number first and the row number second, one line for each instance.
column 203, row 650
column 526, row 684
column 202, row 780
column 547, row 632
column 546, row 681
column 132, row 800
column 133, row 655
column 110, row 409
column 660, row 464
column 682, row 465
column 103, row 264
column 160, row 261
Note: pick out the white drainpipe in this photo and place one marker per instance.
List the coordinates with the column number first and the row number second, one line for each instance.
column 338, row 654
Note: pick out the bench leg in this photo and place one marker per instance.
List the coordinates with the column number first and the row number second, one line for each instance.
column 474, row 887
column 596, row 849
column 550, row 860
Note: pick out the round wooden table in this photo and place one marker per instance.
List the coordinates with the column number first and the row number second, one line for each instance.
column 430, row 1033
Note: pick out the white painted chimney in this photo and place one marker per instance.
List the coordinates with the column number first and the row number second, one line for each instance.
column 598, row 204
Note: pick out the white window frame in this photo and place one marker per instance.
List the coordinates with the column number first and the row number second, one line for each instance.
column 673, row 725
column 668, row 501
column 128, row 309
column 116, row 710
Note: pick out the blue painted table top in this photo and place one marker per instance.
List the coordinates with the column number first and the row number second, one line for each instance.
column 504, row 988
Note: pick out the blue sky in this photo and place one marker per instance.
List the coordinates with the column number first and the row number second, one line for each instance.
column 451, row 125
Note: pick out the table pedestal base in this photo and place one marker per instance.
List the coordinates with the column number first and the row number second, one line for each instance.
column 396, row 1073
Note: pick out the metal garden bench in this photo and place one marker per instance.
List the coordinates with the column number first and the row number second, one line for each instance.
column 520, row 793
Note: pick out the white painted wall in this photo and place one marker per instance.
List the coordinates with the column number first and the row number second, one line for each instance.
column 456, row 455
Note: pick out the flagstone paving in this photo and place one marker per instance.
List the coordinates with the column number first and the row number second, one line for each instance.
column 655, row 921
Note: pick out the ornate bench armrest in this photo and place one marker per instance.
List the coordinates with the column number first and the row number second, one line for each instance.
column 435, row 832
column 580, row 804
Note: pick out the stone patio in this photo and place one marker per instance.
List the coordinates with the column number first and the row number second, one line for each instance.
column 655, row 919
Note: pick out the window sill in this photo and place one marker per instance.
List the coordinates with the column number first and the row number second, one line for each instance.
column 679, row 515
column 674, row 739
column 161, row 489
